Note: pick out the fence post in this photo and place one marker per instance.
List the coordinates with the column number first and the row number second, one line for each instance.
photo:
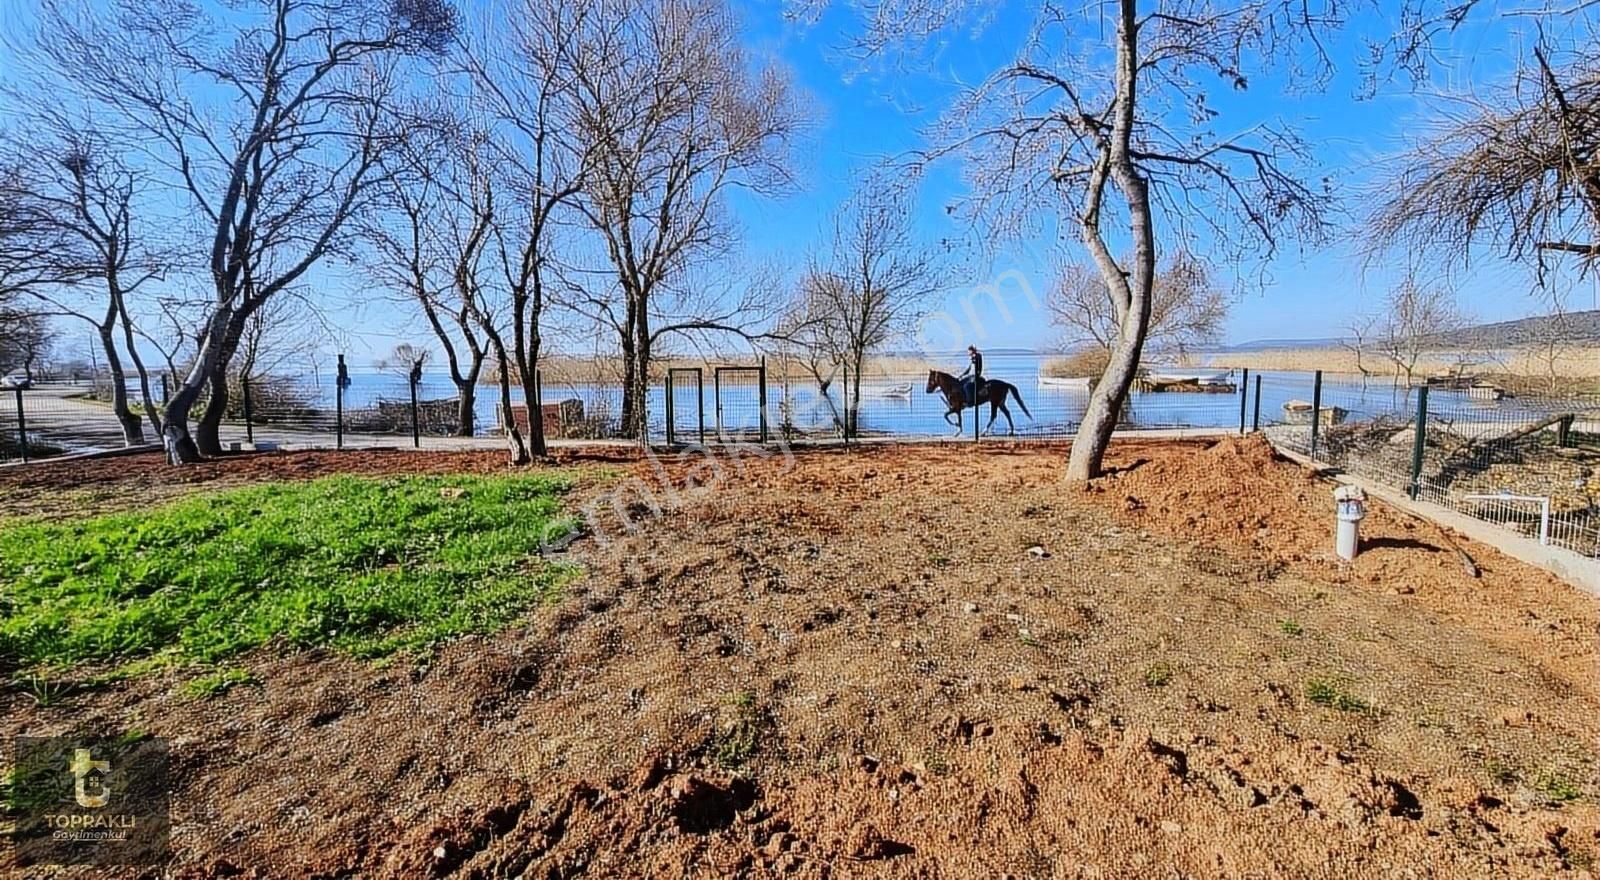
column 671, row 438
column 249, row 411
column 716, row 389
column 416, row 376
column 1419, row 443
column 538, row 408
column 844, row 396
column 1255, row 423
column 1244, row 397
column 339, row 383
column 762, row 381
column 1316, row 410
column 22, row 427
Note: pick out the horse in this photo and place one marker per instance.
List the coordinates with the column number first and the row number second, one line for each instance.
column 993, row 392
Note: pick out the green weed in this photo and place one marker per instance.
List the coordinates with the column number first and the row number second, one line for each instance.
column 1555, row 786
column 745, row 734
column 218, row 682
column 366, row 566
column 1330, row 695
column 1158, row 675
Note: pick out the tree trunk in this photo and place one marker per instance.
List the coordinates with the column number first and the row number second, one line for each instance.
column 132, row 425
column 630, row 368
column 516, row 447
column 1111, row 392
column 181, row 448
column 467, row 394
column 528, row 343
column 151, row 411
column 207, row 435
column 641, row 383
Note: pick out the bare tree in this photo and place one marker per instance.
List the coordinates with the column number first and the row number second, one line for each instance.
column 1104, row 121
column 85, row 198
column 427, row 246
column 522, row 76
column 671, row 115
column 871, row 286
column 1186, row 308
column 1416, row 318
column 25, row 340
column 1516, row 172
column 277, row 171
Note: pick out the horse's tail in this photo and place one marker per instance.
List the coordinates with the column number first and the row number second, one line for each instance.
column 1018, row 395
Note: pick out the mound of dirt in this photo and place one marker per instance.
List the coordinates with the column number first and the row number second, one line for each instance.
column 1236, row 492
column 931, row 662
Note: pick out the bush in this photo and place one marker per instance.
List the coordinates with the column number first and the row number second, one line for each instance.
column 1090, row 362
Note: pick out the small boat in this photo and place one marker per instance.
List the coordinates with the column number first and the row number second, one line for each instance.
column 1298, row 412
column 902, row 390
column 1064, row 381
column 1485, row 391
column 1200, row 377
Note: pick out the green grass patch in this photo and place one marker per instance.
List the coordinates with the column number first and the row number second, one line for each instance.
column 367, row 566
column 1290, row 627
column 219, row 682
column 1158, row 675
column 1555, row 786
column 1330, row 695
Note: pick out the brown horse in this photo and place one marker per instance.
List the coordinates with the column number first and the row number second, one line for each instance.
column 993, row 393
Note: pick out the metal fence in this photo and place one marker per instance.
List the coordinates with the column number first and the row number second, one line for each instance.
column 1530, row 463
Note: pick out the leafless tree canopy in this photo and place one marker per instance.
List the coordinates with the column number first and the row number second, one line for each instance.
column 1515, row 173
column 671, row 115
column 1187, row 309
column 1415, row 318
column 872, row 284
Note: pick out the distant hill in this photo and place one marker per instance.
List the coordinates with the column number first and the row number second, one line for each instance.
column 1570, row 328
column 1279, row 344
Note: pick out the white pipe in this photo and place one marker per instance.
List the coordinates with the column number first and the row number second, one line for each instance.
column 1350, row 508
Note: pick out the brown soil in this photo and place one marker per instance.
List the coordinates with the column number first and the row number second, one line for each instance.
column 856, row 665
column 79, row 486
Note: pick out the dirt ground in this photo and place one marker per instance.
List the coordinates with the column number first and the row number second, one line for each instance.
column 910, row 662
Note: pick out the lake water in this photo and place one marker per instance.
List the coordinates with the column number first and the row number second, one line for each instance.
column 1054, row 410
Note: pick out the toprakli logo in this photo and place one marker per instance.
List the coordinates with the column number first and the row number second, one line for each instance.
column 88, row 773
column 92, row 800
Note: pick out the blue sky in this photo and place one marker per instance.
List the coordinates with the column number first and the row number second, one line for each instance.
column 864, row 117
column 1305, row 293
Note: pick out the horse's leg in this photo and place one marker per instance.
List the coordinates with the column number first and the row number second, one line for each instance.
column 994, row 409
column 1011, row 427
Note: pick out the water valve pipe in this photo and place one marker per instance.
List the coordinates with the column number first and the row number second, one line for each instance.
column 1350, row 504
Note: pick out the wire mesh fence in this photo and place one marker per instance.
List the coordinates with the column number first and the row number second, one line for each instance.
column 1529, row 463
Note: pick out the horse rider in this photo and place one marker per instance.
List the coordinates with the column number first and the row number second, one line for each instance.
column 973, row 386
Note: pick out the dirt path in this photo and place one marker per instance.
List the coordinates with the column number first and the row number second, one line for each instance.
column 858, row 665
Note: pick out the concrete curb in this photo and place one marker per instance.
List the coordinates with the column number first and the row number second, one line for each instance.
column 1576, row 569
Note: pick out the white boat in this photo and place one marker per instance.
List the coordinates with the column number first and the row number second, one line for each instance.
column 1203, row 377
column 903, row 390
column 1064, row 381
